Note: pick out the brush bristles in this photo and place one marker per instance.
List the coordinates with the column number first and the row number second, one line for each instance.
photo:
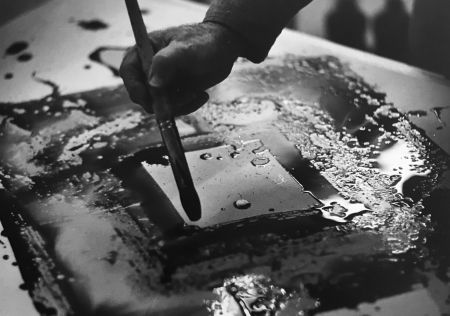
column 191, row 204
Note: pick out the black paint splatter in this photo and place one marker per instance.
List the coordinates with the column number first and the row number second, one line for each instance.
column 96, row 56
column 5, row 257
column 87, row 66
column 438, row 111
column 23, row 287
column 25, row 57
column 16, row 48
column 55, row 94
column 92, row 25
column 111, row 257
column 145, row 11
column 8, row 76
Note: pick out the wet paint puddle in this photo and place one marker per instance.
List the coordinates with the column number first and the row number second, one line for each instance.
column 233, row 188
column 401, row 162
column 350, row 137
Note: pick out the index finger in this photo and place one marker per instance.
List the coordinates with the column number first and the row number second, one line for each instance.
column 135, row 79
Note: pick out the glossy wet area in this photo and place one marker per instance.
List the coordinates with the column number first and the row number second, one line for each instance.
column 253, row 182
column 318, row 195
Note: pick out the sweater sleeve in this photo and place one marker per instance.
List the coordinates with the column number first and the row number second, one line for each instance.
column 258, row 22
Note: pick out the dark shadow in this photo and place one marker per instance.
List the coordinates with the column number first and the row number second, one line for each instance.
column 391, row 28
column 429, row 35
column 346, row 24
column 12, row 9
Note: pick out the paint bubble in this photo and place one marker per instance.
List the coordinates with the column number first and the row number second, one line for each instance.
column 234, row 154
column 206, row 156
column 242, row 204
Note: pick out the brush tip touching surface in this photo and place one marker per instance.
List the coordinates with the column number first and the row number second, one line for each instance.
column 191, row 203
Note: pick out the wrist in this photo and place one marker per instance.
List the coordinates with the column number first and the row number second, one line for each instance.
column 228, row 37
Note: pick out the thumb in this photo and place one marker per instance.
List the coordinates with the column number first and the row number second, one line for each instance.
column 165, row 66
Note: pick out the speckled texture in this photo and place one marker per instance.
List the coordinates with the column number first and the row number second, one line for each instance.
column 86, row 245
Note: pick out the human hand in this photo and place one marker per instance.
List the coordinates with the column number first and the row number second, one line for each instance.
column 188, row 60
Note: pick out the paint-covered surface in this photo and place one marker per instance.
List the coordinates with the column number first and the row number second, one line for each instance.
column 73, row 171
column 61, row 51
column 74, row 168
column 231, row 178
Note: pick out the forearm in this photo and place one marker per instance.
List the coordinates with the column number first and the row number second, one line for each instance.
column 257, row 22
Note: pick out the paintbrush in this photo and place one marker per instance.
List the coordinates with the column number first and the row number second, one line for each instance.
column 161, row 107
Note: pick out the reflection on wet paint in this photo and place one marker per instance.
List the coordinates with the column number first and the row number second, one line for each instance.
column 347, row 158
column 402, row 161
column 256, row 295
column 227, row 184
column 76, row 145
column 93, row 246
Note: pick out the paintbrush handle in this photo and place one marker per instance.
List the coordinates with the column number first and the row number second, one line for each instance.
column 172, row 141
column 161, row 108
column 143, row 44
